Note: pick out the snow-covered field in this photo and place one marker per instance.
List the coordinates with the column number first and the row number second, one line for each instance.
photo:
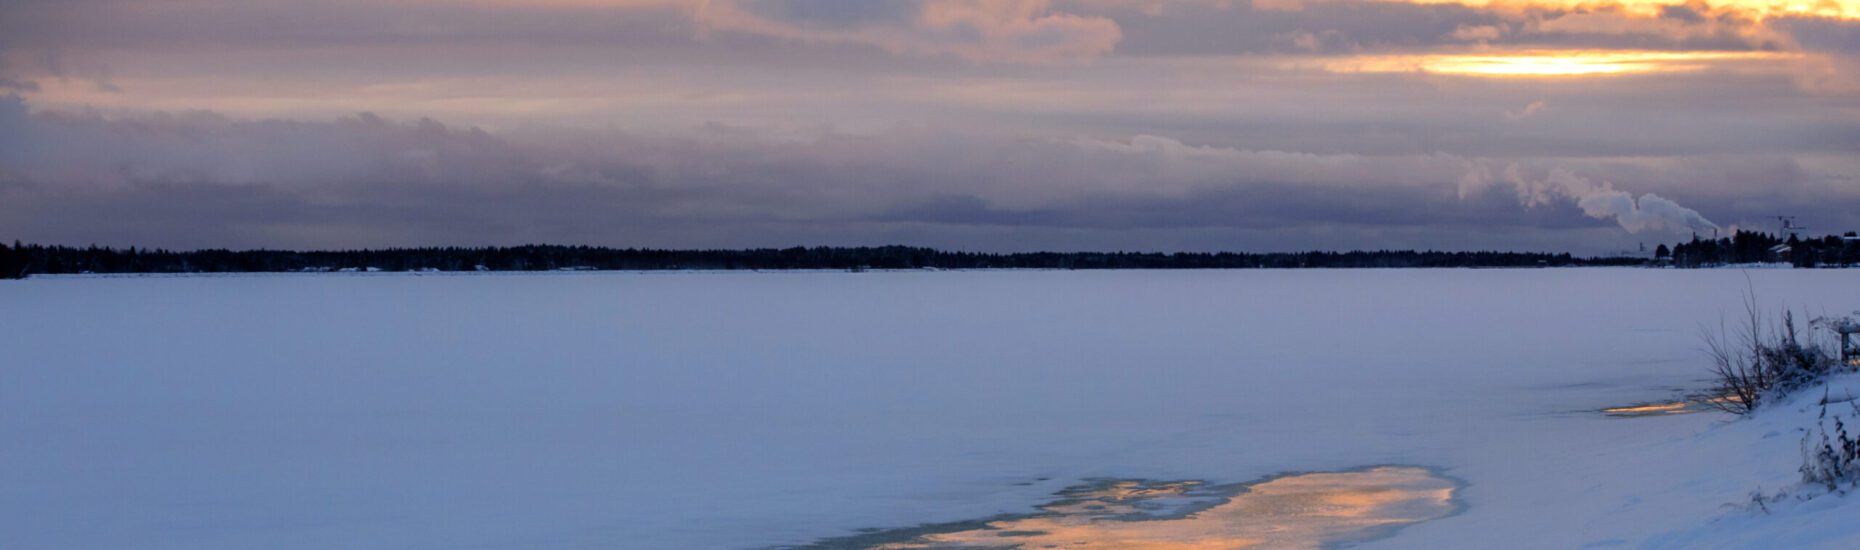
column 740, row 410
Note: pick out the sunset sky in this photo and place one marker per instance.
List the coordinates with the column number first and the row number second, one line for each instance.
column 1560, row 125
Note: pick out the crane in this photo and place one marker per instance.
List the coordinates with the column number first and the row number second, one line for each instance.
column 1789, row 228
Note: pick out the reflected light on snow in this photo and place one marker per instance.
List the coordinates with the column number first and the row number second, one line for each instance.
column 1301, row 511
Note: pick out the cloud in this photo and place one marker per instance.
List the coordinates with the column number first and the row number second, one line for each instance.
column 1477, row 33
column 1022, row 123
column 89, row 149
column 1018, row 31
column 1689, row 14
column 18, row 85
column 1329, row 41
column 477, row 36
column 1012, row 31
column 836, row 14
column 977, row 30
column 1215, row 28
column 1526, row 112
column 1696, row 26
column 203, row 179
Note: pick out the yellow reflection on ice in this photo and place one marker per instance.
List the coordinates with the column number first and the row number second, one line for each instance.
column 1303, row 511
column 1693, row 404
column 1657, row 408
column 1546, row 63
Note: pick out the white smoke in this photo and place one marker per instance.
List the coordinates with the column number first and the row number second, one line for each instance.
column 1598, row 200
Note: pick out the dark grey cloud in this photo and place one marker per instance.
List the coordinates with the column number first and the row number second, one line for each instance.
column 1675, row 114
column 1684, row 13
column 14, row 84
column 206, row 180
column 180, row 25
column 1195, row 28
column 1823, row 34
column 1201, row 29
column 838, row 13
column 1264, row 206
column 643, row 30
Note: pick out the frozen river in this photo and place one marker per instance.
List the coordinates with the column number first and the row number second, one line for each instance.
column 743, row 410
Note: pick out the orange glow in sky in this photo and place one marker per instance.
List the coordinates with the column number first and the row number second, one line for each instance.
column 1540, row 63
column 1756, row 9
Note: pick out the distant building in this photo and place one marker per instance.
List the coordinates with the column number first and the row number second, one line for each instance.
column 1782, row 253
column 1642, row 253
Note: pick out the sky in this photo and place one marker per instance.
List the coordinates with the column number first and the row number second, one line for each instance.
column 1009, row 125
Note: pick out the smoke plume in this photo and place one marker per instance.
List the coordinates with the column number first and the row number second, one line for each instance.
column 1598, row 200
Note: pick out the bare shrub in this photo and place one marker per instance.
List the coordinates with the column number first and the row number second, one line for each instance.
column 1760, row 361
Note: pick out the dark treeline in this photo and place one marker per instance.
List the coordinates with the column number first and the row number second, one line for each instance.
column 1751, row 247
column 20, row 260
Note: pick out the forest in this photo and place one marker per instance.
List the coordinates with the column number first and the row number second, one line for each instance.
column 1746, row 247
column 20, row 260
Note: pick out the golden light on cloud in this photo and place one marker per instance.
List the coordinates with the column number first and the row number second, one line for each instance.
column 1756, row 9
column 1546, row 63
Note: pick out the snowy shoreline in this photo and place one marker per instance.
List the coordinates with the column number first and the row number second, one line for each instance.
column 1764, row 449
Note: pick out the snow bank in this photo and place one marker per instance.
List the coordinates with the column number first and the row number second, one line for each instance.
column 1766, row 448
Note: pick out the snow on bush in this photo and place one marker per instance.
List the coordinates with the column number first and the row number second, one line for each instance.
column 1831, row 460
column 1761, row 362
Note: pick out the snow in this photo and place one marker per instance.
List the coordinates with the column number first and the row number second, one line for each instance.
column 741, row 410
column 1792, row 515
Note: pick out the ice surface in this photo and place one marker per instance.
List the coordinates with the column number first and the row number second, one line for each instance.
column 736, row 410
